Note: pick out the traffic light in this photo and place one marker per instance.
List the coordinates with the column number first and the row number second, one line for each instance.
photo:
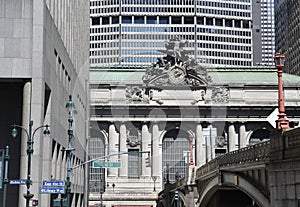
column 148, row 160
column 102, row 185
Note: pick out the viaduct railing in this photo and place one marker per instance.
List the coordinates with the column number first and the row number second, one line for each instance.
column 253, row 154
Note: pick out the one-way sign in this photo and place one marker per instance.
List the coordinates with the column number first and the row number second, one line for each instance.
column 52, row 190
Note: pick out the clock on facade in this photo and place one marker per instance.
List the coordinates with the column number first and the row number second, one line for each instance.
column 176, row 75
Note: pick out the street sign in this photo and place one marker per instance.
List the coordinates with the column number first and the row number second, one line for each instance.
column 272, row 118
column 17, row 182
column 51, row 190
column 106, row 164
column 55, row 183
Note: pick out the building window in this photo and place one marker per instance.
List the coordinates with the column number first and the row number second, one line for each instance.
column 151, row 20
column 126, row 20
column 139, row 20
column 200, row 20
column 188, row 20
column 175, row 155
column 96, row 21
column 105, row 20
column 219, row 22
column 115, row 20
column 133, row 163
column 176, row 20
column 209, row 21
column 164, row 20
column 96, row 149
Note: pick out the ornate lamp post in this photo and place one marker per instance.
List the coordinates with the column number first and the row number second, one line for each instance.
column 282, row 122
column 71, row 107
column 30, row 141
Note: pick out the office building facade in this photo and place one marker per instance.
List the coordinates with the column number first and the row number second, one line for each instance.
column 126, row 32
column 42, row 63
column 263, row 32
column 287, row 35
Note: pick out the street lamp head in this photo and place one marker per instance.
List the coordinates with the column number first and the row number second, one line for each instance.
column 70, row 105
column 46, row 130
column 14, row 131
column 279, row 60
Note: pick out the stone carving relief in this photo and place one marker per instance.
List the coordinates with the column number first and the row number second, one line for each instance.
column 220, row 141
column 220, row 94
column 133, row 137
column 135, row 94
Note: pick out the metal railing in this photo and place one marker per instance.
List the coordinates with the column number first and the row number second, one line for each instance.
column 254, row 153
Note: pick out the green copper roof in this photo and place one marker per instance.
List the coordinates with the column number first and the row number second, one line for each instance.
column 221, row 75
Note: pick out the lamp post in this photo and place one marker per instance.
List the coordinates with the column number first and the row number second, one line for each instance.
column 102, row 190
column 282, row 122
column 30, row 141
column 154, row 178
column 71, row 107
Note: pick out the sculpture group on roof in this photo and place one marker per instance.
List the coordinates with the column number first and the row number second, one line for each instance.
column 178, row 67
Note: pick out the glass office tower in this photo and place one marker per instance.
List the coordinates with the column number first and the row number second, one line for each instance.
column 134, row 32
column 287, row 35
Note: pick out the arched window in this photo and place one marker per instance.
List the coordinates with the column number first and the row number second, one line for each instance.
column 259, row 135
column 175, row 155
column 96, row 149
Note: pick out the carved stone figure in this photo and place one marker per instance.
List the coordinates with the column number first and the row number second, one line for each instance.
column 220, row 94
column 133, row 137
column 176, row 68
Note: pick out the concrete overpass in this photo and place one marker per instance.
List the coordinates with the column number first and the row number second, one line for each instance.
column 266, row 174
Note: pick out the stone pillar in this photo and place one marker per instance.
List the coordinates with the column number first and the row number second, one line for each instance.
column 25, row 122
column 232, row 138
column 200, row 146
column 112, row 148
column 146, row 146
column 123, row 148
column 243, row 136
column 156, row 154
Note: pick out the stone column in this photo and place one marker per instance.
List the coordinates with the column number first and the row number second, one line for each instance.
column 146, row 146
column 243, row 136
column 200, row 146
column 112, row 148
column 124, row 158
column 25, row 123
column 232, row 138
column 156, row 154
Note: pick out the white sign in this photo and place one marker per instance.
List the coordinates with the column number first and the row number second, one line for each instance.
column 273, row 117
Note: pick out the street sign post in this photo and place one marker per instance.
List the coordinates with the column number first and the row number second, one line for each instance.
column 106, row 164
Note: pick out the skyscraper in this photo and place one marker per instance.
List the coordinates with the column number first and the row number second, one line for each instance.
column 263, row 32
column 133, row 32
column 287, row 35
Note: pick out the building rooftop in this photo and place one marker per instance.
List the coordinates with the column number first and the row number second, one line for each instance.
column 220, row 75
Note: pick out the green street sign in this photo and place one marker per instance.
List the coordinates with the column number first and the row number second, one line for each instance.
column 106, row 164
